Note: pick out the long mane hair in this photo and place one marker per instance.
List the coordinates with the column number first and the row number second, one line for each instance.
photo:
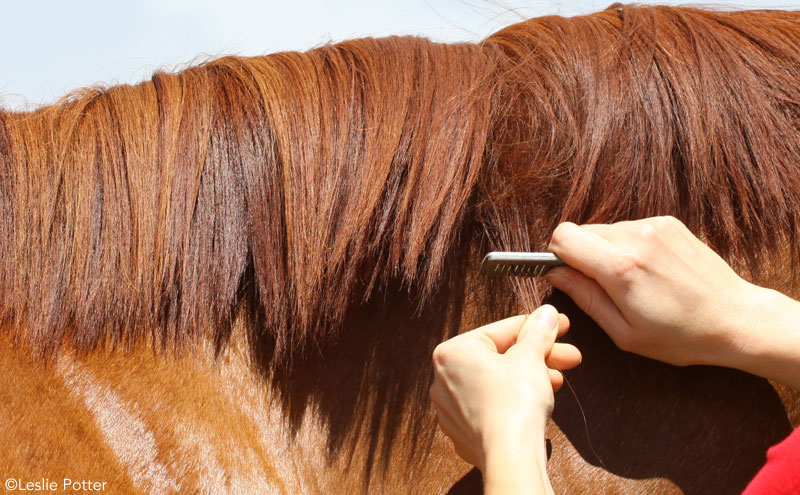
column 293, row 185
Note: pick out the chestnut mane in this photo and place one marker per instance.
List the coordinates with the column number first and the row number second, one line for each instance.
column 298, row 183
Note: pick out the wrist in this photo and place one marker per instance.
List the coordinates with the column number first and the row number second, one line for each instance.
column 515, row 432
column 516, row 465
column 743, row 325
column 766, row 337
column 740, row 322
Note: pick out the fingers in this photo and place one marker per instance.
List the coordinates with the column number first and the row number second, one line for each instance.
column 556, row 379
column 587, row 252
column 589, row 296
column 538, row 332
column 563, row 357
column 503, row 334
column 563, row 324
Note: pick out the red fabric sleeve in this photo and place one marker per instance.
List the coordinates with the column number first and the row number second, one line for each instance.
column 781, row 474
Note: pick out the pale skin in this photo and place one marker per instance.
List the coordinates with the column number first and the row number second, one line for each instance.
column 655, row 289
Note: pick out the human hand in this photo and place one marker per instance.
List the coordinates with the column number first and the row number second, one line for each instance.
column 493, row 386
column 655, row 289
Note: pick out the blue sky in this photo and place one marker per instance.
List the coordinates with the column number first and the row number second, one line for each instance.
column 51, row 47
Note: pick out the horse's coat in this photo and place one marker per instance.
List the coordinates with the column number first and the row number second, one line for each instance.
column 230, row 279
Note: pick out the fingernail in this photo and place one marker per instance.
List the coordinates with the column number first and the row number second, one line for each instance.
column 546, row 316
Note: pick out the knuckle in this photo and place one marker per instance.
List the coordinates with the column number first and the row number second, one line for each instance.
column 624, row 265
column 666, row 223
column 559, row 235
column 589, row 303
column 440, row 355
column 650, row 231
column 673, row 221
column 677, row 226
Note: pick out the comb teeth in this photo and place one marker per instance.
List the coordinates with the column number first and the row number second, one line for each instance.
column 520, row 264
column 520, row 269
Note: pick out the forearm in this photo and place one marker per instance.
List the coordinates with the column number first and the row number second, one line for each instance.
column 767, row 341
column 517, row 468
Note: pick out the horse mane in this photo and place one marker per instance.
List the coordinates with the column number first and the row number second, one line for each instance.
column 303, row 182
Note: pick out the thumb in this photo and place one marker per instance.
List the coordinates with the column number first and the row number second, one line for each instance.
column 538, row 333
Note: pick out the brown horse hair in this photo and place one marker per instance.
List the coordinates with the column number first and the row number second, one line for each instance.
column 309, row 180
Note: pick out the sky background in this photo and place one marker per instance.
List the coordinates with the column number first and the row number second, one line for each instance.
column 52, row 47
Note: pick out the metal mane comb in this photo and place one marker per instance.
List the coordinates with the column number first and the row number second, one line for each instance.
column 519, row 263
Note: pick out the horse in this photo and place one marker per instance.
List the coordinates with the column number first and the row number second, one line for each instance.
column 230, row 279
